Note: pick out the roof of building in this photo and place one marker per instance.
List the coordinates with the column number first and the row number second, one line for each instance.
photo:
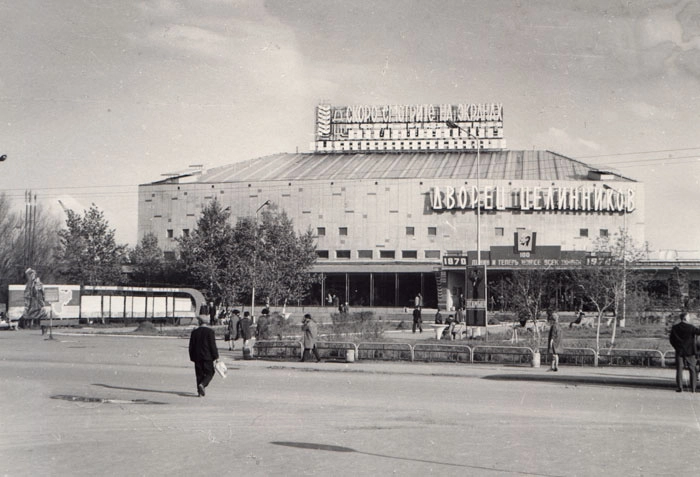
column 508, row 165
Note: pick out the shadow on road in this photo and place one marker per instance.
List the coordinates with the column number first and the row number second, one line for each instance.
column 332, row 448
column 631, row 381
column 176, row 393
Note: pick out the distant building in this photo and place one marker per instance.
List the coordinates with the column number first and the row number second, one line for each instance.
column 391, row 194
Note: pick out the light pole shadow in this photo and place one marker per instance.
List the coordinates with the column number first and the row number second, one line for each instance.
column 334, row 448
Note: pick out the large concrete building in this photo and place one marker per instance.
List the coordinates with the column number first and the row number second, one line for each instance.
column 392, row 195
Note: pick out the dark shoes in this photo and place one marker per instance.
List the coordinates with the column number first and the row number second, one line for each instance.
column 200, row 390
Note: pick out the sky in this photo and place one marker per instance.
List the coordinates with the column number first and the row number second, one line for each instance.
column 98, row 96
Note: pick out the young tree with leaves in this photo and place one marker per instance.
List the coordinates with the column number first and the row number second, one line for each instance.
column 147, row 261
column 88, row 253
column 210, row 254
column 285, row 258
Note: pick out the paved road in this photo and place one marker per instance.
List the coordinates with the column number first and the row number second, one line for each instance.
column 101, row 405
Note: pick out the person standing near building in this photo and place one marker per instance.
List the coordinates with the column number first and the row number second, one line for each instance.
column 461, row 302
column 245, row 333
column 212, row 313
column 232, row 328
column 417, row 319
column 682, row 339
column 418, row 301
column 203, row 353
column 555, row 341
column 308, row 327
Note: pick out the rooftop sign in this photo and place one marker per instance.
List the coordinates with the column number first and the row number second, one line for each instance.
column 409, row 127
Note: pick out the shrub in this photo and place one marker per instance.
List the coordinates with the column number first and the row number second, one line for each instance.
column 362, row 326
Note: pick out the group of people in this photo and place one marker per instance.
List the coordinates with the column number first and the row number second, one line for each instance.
column 333, row 300
column 238, row 328
column 204, row 352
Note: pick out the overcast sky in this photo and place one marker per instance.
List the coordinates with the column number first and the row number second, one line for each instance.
column 98, row 96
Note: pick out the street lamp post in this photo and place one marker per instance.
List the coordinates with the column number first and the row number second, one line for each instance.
column 255, row 259
column 453, row 125
column 624, row 254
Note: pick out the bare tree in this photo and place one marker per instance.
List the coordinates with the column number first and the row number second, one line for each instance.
column 529, row 293
column 14, row 243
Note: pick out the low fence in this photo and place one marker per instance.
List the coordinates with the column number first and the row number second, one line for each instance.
column 457, row 353
column 502, row 354
column 572, row 356
column 442, row 353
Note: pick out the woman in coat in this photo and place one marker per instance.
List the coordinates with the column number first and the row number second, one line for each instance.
column 308, row 326
column 232, row 329
column 555, row 340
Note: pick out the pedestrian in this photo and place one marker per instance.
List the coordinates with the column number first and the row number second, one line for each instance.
column 245, row 333
column 450, row 322
column 555, row 339
column 682, row 339
column 308, row 326
column 417, row 319
column 262, row 327
column 232, row 329
column 212, row 313
column 203, row 353
column 460, row 316
column 418, row 301
column 438, row 317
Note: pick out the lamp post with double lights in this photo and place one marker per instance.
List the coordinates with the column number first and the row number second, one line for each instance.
column 453, row 125
column 255, row 260
column 624, row 252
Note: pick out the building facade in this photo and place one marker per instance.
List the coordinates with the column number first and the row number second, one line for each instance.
column 405, row 215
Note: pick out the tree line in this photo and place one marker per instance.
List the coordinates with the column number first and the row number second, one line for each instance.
column 224, row 260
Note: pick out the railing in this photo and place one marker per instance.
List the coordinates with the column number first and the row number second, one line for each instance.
column 631, row 357
column 335, row 349
column 574, row 356
column 277, row 349
column 508, row 354
column 442, row 352
column 436, row 352
column 669, row 355
column 385, row 351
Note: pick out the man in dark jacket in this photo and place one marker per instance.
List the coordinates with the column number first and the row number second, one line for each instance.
column 203, row 353
column 417, row 319
column 683, row 341
column 245, row 333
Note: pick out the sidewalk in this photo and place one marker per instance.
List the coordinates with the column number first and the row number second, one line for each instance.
column 647, row 377
column 658, row 378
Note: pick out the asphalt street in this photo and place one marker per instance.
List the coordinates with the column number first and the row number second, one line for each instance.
column 124, row 405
